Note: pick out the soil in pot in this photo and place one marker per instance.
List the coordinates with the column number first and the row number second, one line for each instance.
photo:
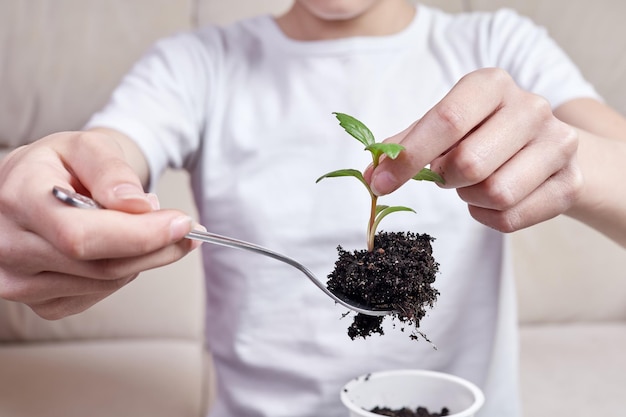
column 407, row 412
column 397, row 274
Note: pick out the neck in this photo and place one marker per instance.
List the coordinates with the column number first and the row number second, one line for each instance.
column 382, row 18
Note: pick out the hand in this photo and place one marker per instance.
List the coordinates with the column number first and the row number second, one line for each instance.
column 509, row 158
column 61, row 260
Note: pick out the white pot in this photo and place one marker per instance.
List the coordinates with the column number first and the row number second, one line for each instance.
column 411, row 388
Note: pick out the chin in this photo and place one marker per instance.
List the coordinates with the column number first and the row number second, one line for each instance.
column 337, row 9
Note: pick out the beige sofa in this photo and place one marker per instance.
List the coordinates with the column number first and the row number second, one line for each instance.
column 140, row 352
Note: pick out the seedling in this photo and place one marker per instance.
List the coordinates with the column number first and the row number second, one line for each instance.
column 363, row 134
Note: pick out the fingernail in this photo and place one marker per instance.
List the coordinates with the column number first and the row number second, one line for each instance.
column 179, row 227
column 382, row 183
column 154, row 201
column 129, row 192
column 197, row 243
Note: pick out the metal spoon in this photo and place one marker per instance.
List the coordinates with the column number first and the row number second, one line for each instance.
column 81, row 201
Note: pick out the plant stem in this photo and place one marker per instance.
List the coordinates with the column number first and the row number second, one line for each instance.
column 370, row 226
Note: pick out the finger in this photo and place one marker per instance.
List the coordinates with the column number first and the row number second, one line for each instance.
column 472, row 100
column 58, row 308
column 533, row 165
column 33, row 255
column 102, row 234
column 88, row 234
column 29, row 174
column 95, row 277
column 397, row 138
column 550, row 199
column 495, row 141
column 107, row 269
column 80, row 234
column 100, row 167
column 46, row 286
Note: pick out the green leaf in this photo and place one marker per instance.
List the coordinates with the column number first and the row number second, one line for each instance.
column 345, row 173
column 386, row 211
column 392, row 209
column 380, row 208
column 428, row 175
column 355, row 128
column 392, row 150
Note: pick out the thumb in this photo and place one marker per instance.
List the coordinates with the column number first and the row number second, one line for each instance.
column 390, row 174
column 99, row 162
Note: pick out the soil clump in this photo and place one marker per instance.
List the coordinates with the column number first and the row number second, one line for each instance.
column 398, row 274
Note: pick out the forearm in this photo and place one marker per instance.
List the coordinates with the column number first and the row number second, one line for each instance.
column 602, row 202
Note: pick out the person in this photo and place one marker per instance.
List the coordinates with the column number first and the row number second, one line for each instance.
column 488, row 100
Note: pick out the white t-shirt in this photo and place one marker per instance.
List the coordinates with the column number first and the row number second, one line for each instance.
column 248, row 112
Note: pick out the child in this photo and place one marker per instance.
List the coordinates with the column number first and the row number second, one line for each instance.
column 491, row 103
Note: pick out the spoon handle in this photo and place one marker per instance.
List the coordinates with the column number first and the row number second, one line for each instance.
column 81, row 201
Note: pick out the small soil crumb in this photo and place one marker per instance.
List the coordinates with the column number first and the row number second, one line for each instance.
column 397, row 275
column 407, row 412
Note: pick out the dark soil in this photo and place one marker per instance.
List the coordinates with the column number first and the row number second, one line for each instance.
column 407, row 412
column 398, row 274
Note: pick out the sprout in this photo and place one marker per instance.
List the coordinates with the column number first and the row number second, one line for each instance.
column 362, row 133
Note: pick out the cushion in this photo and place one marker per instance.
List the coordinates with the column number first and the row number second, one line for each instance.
column 161, row 378
column 573, row 370
column 567, row 272
column 62, row 58
column 160, row 303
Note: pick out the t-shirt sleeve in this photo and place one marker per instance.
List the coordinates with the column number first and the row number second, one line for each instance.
column 161, row 103
column 535, row 60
